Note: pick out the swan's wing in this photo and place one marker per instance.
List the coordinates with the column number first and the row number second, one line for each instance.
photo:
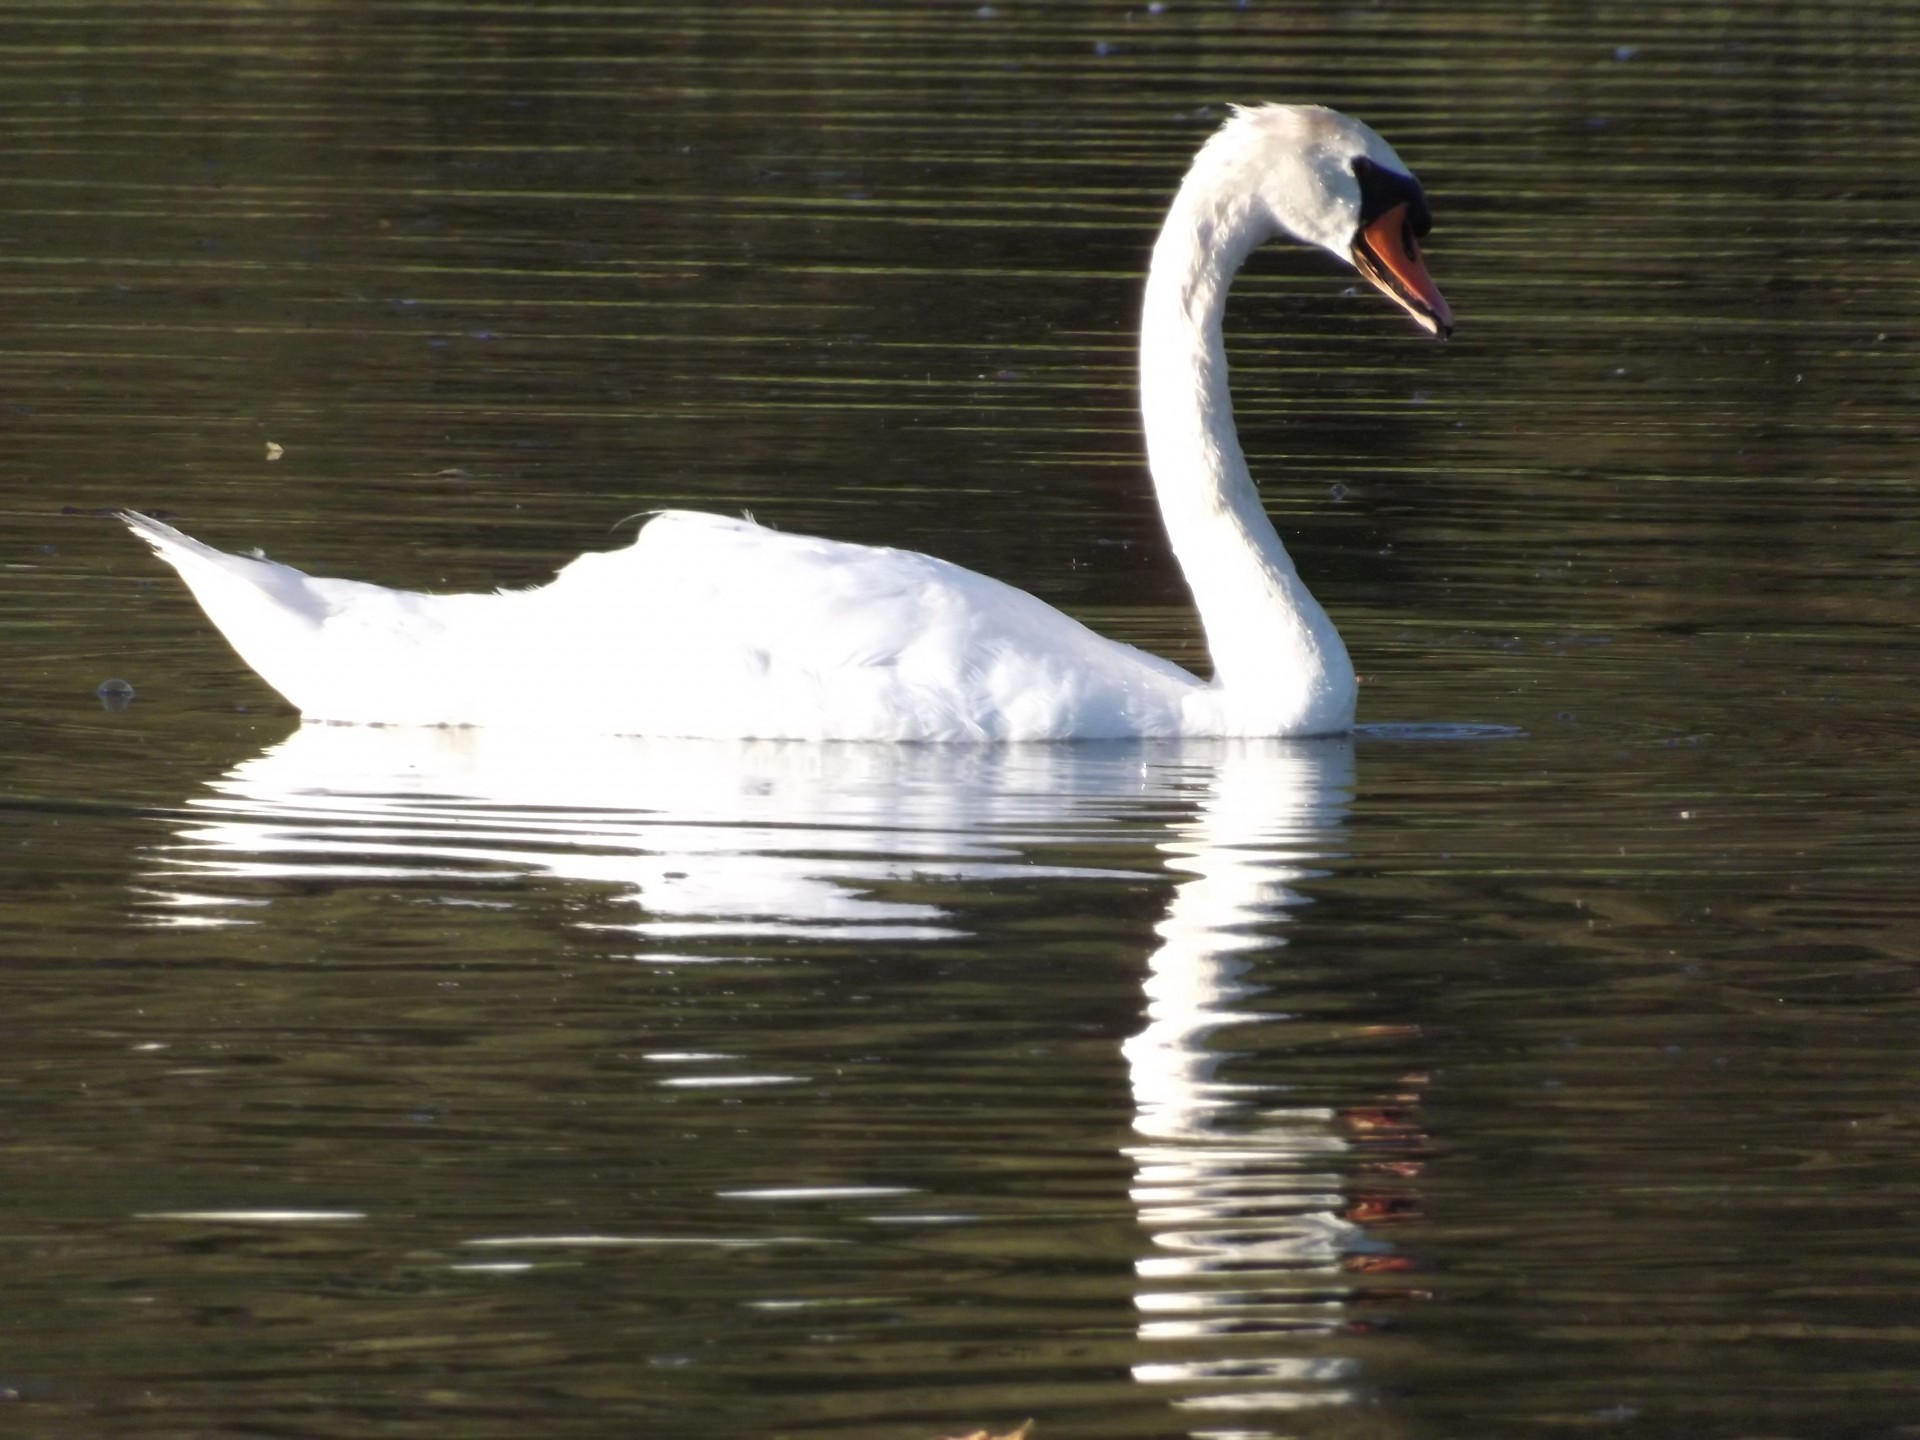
column 758, row 632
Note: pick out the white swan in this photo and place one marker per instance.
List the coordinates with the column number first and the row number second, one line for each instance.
column 717, row 627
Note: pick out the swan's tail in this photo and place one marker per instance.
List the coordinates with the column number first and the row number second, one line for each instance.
column 314, row 640
column 232, row 587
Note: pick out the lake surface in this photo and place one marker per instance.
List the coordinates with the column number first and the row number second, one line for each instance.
column 1540, row 1061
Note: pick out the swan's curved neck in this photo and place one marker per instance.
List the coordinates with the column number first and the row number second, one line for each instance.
column 1279, row 664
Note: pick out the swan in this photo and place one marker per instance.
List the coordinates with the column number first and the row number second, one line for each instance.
column 717, row 627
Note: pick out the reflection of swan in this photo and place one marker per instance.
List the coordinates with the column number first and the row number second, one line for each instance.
column 704, row 837
column 711, row 626
column 1242, row 1196
column 1247, row 1200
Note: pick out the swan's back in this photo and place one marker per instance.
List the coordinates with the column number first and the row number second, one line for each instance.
column 704, row 626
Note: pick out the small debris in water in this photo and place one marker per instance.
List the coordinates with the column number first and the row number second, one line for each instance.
column 115, row 695
column 274, row 452
column 1020, row 1434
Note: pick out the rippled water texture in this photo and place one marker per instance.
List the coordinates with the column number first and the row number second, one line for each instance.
column 1539, row 1061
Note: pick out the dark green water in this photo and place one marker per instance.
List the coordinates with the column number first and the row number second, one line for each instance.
column 1428, row 1085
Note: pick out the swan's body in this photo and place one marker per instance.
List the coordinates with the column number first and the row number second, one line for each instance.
column 704, row 626
column 709, row 626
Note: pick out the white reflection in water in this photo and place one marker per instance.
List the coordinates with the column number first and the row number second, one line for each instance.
column 1243, row 1198
column 1236, row 1192
column 704, row 837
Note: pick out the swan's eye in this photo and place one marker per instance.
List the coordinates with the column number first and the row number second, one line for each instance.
column 1382, row 189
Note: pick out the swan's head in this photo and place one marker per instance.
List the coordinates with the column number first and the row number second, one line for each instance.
column 1326, row 179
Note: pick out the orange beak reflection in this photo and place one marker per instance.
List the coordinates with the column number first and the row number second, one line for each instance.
column 1387, row 253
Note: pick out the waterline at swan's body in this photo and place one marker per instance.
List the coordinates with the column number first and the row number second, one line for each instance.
column 717, row 627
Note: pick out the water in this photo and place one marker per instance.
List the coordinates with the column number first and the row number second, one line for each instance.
column 1538, row 1062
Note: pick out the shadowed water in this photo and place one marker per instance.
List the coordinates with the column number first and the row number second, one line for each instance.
column 1538, row 1061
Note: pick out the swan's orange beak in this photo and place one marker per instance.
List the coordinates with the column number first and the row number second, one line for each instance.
column 1387, row 253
